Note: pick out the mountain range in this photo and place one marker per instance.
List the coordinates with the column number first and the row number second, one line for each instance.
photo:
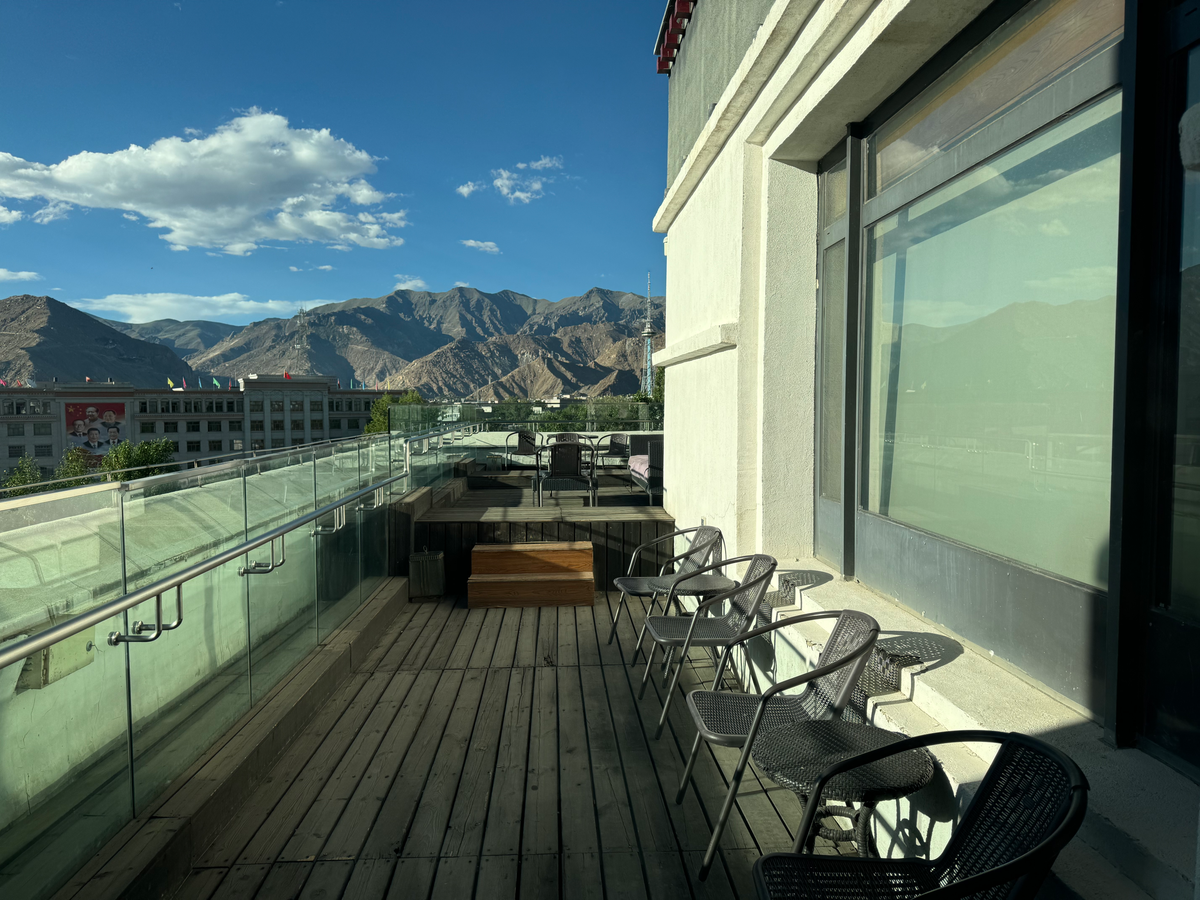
column 458, row 343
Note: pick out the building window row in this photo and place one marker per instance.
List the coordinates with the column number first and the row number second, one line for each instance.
column 198, row 405
column 26, row 407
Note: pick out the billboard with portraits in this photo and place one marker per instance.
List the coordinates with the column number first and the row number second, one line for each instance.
column 96, row 425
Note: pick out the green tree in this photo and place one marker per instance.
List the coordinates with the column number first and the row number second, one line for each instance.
column 513, row 409
column 660, row 384
column 74, row 465
column 24, row 476
column 157, row 457
column 380, row 410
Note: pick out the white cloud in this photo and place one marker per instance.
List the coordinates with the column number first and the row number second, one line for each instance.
column 293, row 269
column 470, row 187
column 1054, row 228
column 462, row 284
column 396, row 219
column 485, row 246
column 409, row 283
column 516, row 188
column 8, row 275
column 194, row 132
column 546, row 162
column 52, row 211
column 222, row 307
column 325, row 268
column 130, row 216
column 10, row 215
column 254, row 179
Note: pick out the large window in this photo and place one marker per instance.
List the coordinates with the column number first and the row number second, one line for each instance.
column 989, row 352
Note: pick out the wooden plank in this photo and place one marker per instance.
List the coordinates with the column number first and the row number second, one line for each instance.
column 236, row 834
column 506, row 640
column 541, row 556
column 457, row 562
column 326, row 880
column 586, row 648
column 526, row 654
column 285, row 880
column 718, row 885
column 517, row 532
column 464, row 647
column 557, row 589
column 455, row 878
column 310, row 835
column 363, row 806
column 275, row 832
column 623, row 876
column 539, row 876
column 547, row 645
column 497, row 878
column 567, row 653
column 485, row 644
column 502, row 836
column 200, row 884
column 241, row 882
column 603, row 611
column 468, row 818
column 391, row 826
column 540, row 826
column 613, row 812
column 582, row 877
column 428, row 829
column 370, row 879
column 407, row 639
column 440, row 654
column 665, row 875
column 577, row 804
column 429, row 636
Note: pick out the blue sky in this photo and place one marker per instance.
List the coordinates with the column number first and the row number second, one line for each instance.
column 234, row 160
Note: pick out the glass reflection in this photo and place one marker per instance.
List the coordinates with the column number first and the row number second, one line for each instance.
column 989, row 352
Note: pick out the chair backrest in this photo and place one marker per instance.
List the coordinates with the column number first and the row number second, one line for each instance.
column 567, row 436
column 618, row 445
column 655, row 449
column 526, row 443
column 748, row 607
column 566, row 459
column 706, row 543
column 828, row 696
column 1029, row 791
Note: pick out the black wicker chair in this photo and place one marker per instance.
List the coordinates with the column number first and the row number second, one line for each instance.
column 613, row 447
column 1026, row 809
column 566, row 469
column 733, row 719
column 525, row 445
column 747, row 606
column 706, row 541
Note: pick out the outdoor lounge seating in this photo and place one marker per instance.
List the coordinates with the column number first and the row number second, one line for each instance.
column 705, row 541
column 646, row 468
column 1026, row 809
column 613, row 448
column 747, row 605
column 566, row 469
column 733, row 719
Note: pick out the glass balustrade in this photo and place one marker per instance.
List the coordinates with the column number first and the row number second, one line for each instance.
column 91, row 733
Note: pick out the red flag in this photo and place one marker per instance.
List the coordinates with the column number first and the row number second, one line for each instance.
column 5, row 383
column 229, row 387
column 86, row 378
column 18, row 384
column 184, row 383
column 287, row 376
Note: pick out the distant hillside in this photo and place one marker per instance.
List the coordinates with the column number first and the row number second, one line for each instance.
column 182, row 337
column 42, row 339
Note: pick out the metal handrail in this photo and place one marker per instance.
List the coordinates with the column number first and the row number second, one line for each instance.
column 22, row 649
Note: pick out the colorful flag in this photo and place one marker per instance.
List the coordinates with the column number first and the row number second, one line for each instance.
column 185, row 384
column 170, row 383
column 339, row 384
column 287, row 376
column 18, row 384
column 216, row 384
column 230, row 385
column 3, row 382
column 87, row 378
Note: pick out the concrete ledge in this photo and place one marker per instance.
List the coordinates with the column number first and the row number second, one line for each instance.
column 707, row 342
column 153, row 854
column 1142, row 815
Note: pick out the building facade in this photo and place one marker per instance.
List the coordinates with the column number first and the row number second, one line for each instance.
column 261, row 412
column 931, row 280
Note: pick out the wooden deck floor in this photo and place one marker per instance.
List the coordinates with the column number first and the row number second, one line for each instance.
column 494, row 754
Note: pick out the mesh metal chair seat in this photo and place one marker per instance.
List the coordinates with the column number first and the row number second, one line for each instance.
column 828, row 689
column 747, row 605
column 1026, row 809
column 706, row 540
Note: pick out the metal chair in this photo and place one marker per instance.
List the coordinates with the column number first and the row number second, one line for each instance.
column 566, row 470
column 570, row 437
column 1026, row 809
column 706, row 540
column 526, row 444
column 747, row 605
column 734, row 719
column 613, row 447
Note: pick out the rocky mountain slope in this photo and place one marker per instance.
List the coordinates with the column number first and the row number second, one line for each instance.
column 183, row 337
column 43, row 339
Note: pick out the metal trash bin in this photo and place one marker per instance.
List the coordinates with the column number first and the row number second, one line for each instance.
column 427, row 574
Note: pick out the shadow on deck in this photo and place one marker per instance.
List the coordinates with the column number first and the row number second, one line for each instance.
column 494, row 754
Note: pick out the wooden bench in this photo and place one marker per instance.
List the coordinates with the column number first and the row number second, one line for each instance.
column 543, row 573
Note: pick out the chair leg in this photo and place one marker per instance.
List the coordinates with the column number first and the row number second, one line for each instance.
column 649, row 666
column 662, row 719
column 687, row 772
column 730, row 797
column 620, row 606
column 668, row 656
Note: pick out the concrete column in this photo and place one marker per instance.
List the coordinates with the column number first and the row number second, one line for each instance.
column 746, row 539
column 787, row 372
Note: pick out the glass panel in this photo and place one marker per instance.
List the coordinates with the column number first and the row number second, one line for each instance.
column 835, row 187
column 989, row 352
column 63, row 748
column 338, row 568
column 188, row 686
column 1031, row 51
column 833, row 330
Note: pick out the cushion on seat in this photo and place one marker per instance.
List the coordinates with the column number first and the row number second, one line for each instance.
column 640, row 466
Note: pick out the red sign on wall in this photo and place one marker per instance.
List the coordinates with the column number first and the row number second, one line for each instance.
column 96, row 426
